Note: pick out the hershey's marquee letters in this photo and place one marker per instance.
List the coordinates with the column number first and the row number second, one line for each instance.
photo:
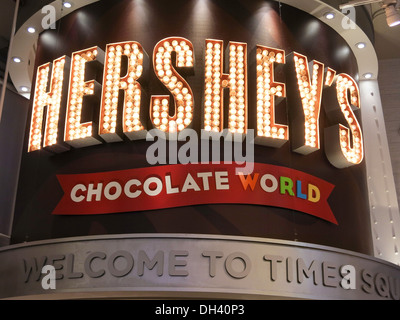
column 344, row 144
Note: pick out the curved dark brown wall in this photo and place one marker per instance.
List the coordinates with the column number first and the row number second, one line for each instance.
column 254, row 22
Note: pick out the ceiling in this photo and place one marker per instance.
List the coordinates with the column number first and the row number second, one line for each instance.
column 7, row 8
column 386, row 39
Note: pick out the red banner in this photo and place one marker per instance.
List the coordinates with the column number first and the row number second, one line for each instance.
column 171, row 186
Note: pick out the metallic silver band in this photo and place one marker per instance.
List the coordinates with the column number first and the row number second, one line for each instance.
column 197, row 266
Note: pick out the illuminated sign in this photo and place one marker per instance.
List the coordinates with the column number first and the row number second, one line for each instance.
column 125, row 64
column 178, row 87
column 77, row 132
column 310, row 88
column 268, row 131
column 113, row 83
column 216, row 81
column 51, row 99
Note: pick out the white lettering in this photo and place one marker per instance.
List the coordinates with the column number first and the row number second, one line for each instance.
column 221, row 180
column 263, row 183
column 74, row 191
column 109, row 187
column 157, row 190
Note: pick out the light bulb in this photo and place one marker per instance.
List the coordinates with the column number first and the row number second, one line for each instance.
column 392, row 16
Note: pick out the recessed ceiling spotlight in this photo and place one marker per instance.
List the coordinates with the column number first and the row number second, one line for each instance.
column 329, row 15
column 31, row 30
column 24, row 89
column 17, row 59
column 392, row 16
column 67, row 4
column 361, row 45
column 368, row 75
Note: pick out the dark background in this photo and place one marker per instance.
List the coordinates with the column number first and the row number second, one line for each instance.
column 147, row 22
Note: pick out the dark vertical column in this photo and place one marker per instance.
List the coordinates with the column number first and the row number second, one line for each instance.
column 12, row 131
